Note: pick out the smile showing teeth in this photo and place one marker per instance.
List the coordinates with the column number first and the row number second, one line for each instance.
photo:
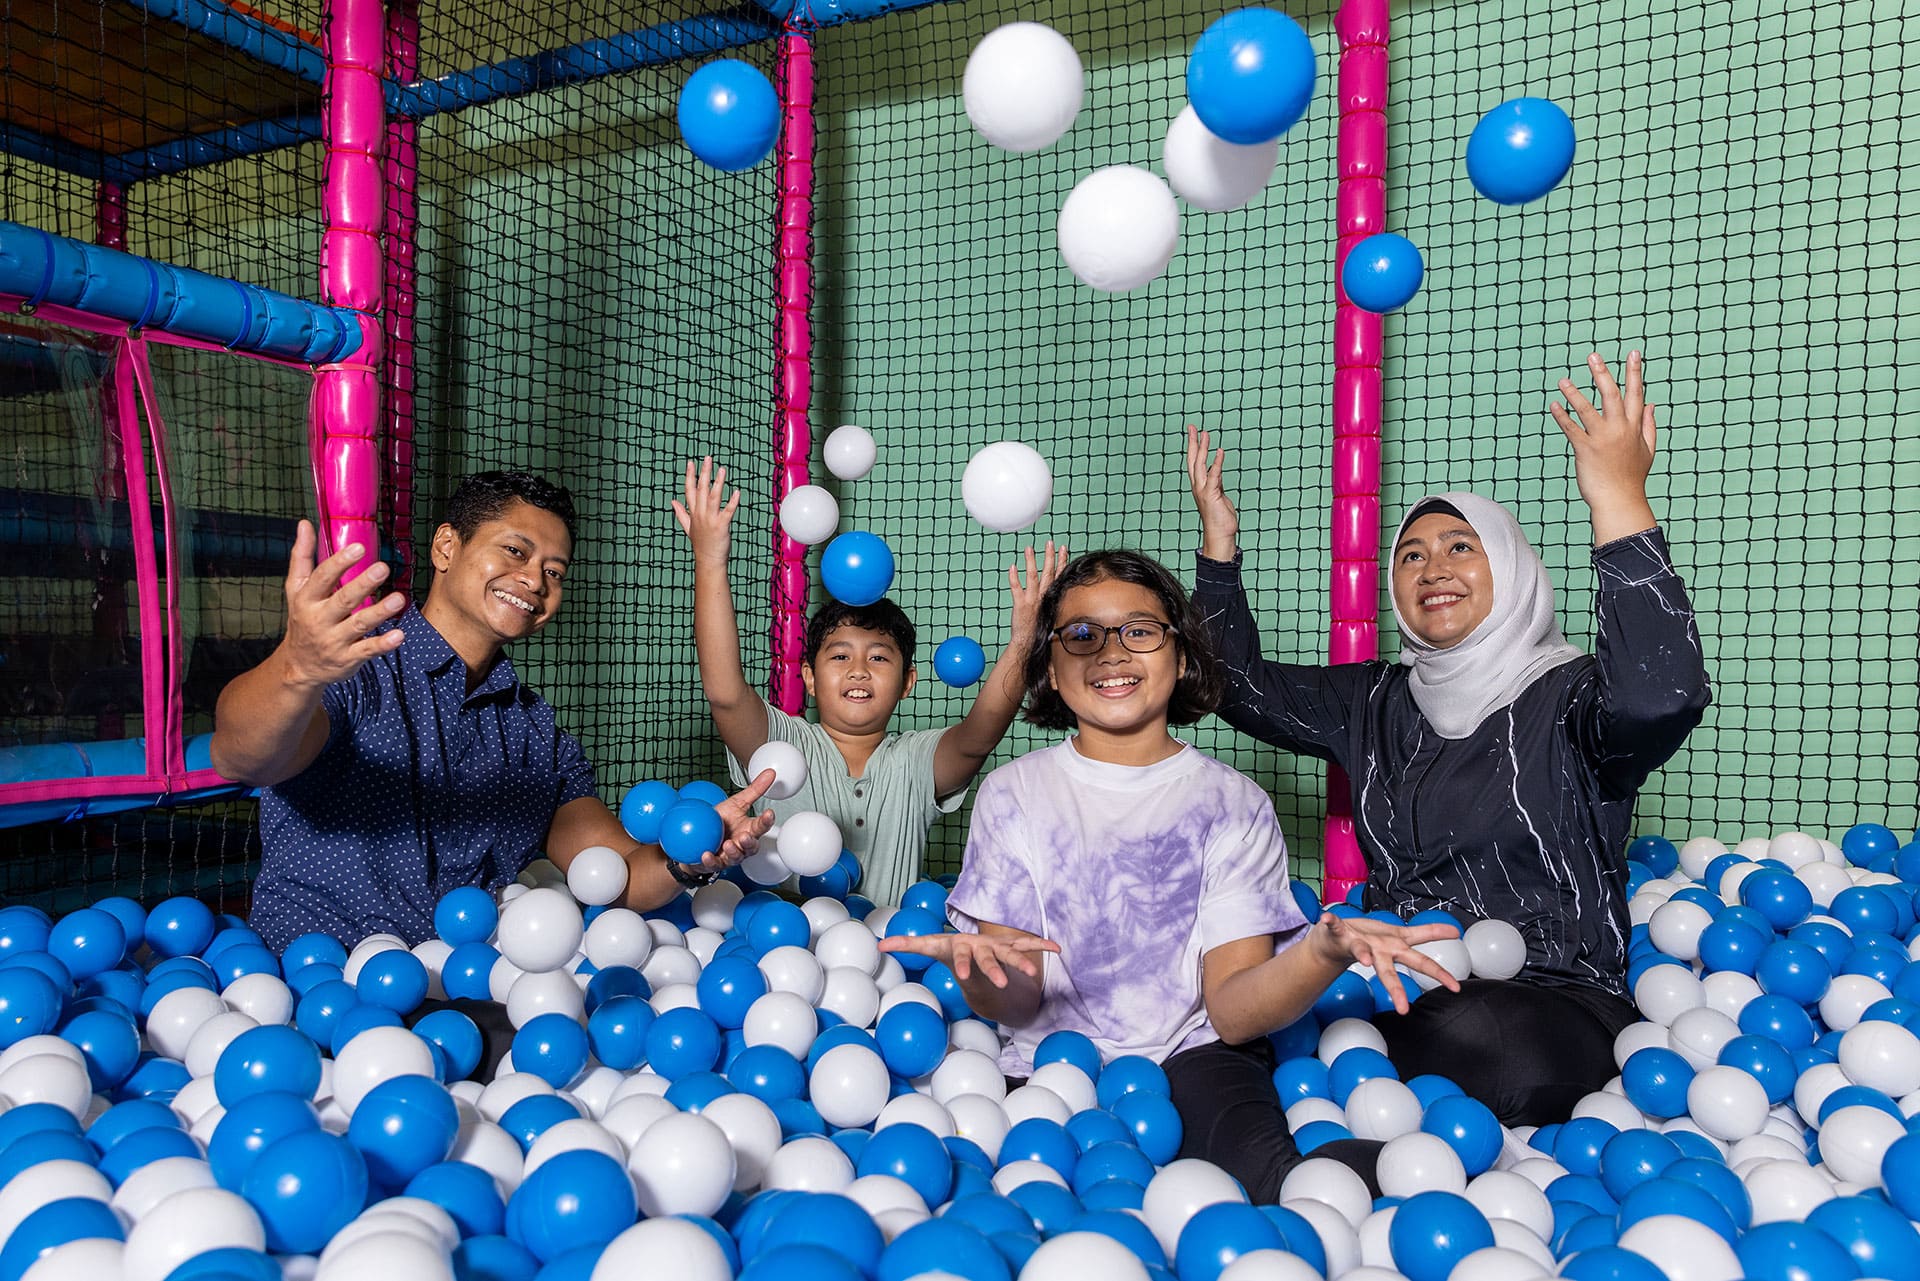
column 523, row 606
column 858, row 695
column 1116, row 682
column 1439, row 602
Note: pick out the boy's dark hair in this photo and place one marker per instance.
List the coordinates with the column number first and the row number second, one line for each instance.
column 1196, row 693
column 882, row 616
column 486, row 495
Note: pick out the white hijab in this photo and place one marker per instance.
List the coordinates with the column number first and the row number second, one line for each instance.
column 1518, row 641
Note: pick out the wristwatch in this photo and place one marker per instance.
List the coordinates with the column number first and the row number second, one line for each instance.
column 691, row 875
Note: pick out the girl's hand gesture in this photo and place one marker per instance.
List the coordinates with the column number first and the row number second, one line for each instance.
column 1027, row 594
column 992, row 955
column 1384, row 947
column 1613, row 448
column 703, row 515
column 1219, row 522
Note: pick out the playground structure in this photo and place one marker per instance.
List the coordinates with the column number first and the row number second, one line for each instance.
column 377, row 248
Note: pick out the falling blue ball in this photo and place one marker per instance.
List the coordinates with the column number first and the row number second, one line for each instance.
column 857, row 568
column 729, row 115
column 1382, row 273
column 1250, row 76
column 959, row 661
column 1520, row 151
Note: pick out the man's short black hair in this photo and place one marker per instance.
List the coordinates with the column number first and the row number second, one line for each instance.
column 1194, row 695
column 486, row 495
column 882, row 616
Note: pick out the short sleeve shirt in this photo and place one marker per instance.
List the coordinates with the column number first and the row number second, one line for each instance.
column 1136, row 872
column 421, row 788
column 883, row 815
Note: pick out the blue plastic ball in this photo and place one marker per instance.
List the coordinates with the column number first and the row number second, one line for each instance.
column 1346, row 997
column 679, row 1042
column 1709, row 1171
column 959, row 661
column 576, row 1198
column 1794, row 970
column 403, row 1125
column 768, row 1073
column 727, row 987
column 644, row 809
column 691, row 830
column 1154, row 1123
column 701, row 789
column 912, row 1039
column 939, row 1246
column 23, row 929
column 1361, row 1063
column 1469, row 1127
column 856, row 568
column 108, row 1042
column 1127, row 1073
column 143, row 1147
column 265, row 1060
column 29, row 1004
column 1096, row 1126
column 1096, row 1164
column 1432, row 1231
column 1250, row 75
column 1042, row 1140
column 616, row 980
column 1632, row 1157
column 1219, row 1234
column 617, row 1032
column 1610, row 1263
column 128, row 1117
column 1074, row 1048
column 53, row 1224
column 1792, row 1252
column 357, row 1019
column 1382, row 273
column 458, row 1039
column 179, row 927
column 492, row 1257
column 729, row 115
column 465, row 915
column 1865, row 842
column 154, row 1078
column 1674, row 1196
column 1129, row 1230
column 915, row 1156
column 1520, row 150
column 1766, row 1060
column 778, row 924
column 534, row 1115
column 467, row 972
column 249, row 1127
column 1656, row 853
column 551, row 1046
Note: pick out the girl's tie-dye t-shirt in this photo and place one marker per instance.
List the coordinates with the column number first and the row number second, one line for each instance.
column 1136, row 871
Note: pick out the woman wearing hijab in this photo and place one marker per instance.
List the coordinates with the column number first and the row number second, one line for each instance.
column 1494, row 767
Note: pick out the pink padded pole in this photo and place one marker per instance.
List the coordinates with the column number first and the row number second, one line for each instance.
column 345, row 419
column 793, row 374
column 1360, row 211
column 398, row 303
column 110, row 215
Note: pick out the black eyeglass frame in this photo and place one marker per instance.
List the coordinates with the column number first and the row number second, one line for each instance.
column 1167, row 632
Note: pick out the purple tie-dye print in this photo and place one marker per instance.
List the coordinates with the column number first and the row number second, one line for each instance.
column 1136, row 872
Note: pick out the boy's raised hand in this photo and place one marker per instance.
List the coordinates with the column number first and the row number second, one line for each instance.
column 1219, row 522
column 1026, row 594
column 327, row 630
column 702, row 514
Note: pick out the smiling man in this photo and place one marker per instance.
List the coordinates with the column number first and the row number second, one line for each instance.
column 399, row 756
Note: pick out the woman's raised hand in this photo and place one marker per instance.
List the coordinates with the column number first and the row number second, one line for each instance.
column 1219, row 522
column 1384, row 947
column 1613, row 446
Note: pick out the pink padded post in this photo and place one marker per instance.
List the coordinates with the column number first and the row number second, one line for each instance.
column 1360, row 211
column 398, row 302
column 110, row 215
column 345, row 418
column 793, row 376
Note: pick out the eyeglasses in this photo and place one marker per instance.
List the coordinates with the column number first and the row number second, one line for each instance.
column 1138, row 636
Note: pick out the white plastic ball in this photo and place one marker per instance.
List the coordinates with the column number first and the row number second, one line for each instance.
column 1881, row 1055
column 501, row 978
column 1323, row 1179
column 1854, row 1141
column 1451, row 955
column 507, row 1089
column 1341, row 1035
column 486, row 1146
column 671, row 963
column 1727, row 991
column 752, row 1131
column 1676, row 927
column 1635, row 1037
column 1420, row 1162
column 1539, row 1170
column 1382, row 1108
column 665, row 933
column 1075, row 1088
column 968, row 1072
column 823, row 914
column 1023, row 86
column 1181, row 1189
column 810, row 842
column 705, row 943
column 1017, row 1174
column 366, row 948
column 1509, row 1235
column 1502, row 1194
column 677, row 1248
column 1306, row 1111
column 682, row 1165
column 794, row 969
column 619, row 936
column 1118, row 230
column 375, row 1055
column 209, row 1042
column 85, row 1259
column 675, row 996
column 897, row 1219
column 188, row 1223
column 849, row 1085
column 849, row 454
column 574, row 1135
column 51, row 1181
column 851, row 943
column 1339, row 1238
column 1784, row 1190
column 266, row 999
column 782, row 1019
column 764, row 865
column 1823, row 881
column 789, row 772
column 809, row 514
column 980, row 1119
column 1727, row 1102
column 431, row 953
column 33, row 1046
column 548, row 992
column 154, row 1182
column 852, row 995
column 1210, row 173
column 916, row 1109
column 878, row 1193
column 174, row 1019
column 52, row 1078
column 1497, row 949
column 1683, row 1249
column 1699, row 1034
column 1028, row 1101
column 627, row 1118
column 1848, row 997
column 540, row 930
column 972, row 1034
column 809, row 1164
column 386, row 1256
column 903, row 992
column 1615, row 1109
column 1492, row 1263
column 1075, row 1256
column 597, row 876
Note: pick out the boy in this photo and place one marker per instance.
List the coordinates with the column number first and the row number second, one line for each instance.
column 883, row 789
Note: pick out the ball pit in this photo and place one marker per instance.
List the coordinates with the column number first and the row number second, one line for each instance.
column 758, row 1091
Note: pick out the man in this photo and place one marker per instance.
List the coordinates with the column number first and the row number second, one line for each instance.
column 398, row 754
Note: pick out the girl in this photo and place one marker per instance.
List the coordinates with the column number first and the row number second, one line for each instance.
column 1125, row 885
column 1494, row 768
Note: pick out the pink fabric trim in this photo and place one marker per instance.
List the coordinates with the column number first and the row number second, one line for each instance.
column 62, row 789
column 397, row 303
column 793, row 370
column 1360, row 211
column 172, row 737
column 153, row 689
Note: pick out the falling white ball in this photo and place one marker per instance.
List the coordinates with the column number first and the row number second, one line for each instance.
column 788, row 765
column 809, row 843
column 1006, row 486
column 1023, row 86
column 1119, row 228
column 849, row 452
column 809, row 514
column 1210, row 173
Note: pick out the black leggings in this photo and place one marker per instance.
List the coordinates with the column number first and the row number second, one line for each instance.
column 1530, row 1053
column 1230, row 1115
